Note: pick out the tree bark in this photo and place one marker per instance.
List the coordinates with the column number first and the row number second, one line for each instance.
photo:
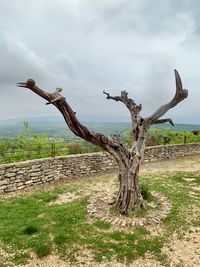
column 129, row 195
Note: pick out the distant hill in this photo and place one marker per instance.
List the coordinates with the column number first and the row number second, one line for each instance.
column 55, row 127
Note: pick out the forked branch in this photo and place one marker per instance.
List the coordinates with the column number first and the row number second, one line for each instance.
column 180, row 95
column 128, row 102
column 133, row 109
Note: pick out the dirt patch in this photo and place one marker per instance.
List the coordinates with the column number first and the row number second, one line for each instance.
column 193, row 194
column 196, row 188
column 186, row 251
column 186, row 164
column 49, row 261
column 4, row 258
column 192, row 213
column 64, row 198
column 86, row 258
column 88, row 189
column 189, row 179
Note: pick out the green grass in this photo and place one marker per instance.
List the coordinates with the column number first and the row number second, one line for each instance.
column 144, row 189
column 102, row 224
column 29, row 223
column 30, row 230
column 20, row 258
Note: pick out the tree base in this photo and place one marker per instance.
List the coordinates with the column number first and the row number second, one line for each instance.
column 100, row 208
column 128, row 201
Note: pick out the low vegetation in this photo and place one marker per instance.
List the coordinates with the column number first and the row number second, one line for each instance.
column 28, row 145
column 165, row 136
column 28, row 224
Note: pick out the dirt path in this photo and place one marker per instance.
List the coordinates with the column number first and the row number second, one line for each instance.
column 186, row 164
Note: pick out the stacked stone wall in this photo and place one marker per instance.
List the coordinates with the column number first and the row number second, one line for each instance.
column 16, row 176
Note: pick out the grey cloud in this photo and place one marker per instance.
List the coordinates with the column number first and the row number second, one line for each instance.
column 19, row 61
column 87, row 46
column 66, row 64
column 144, row 17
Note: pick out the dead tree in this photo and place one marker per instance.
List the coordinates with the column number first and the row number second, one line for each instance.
column 129, row 195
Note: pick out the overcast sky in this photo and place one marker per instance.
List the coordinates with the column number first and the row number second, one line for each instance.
column 85, row 46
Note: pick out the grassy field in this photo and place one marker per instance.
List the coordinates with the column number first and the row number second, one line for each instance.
column 30, row 226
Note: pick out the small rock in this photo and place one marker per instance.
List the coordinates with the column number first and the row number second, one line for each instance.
column 123, row 223
column 115, row 221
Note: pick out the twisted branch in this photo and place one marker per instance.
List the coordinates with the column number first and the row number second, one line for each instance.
column 73, row 123
column 129, row 103
column 133, row 109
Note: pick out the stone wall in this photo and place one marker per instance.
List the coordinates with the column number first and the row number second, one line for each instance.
column 155, row 153
column 20, row 175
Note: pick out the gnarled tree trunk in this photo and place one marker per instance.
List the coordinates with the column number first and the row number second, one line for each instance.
column 129, row 195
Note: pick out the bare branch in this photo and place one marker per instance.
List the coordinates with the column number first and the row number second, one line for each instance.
column 133, row 109
column 32, row 86
column 129, row 103
column 180, row 95
column 116, row 98
column 75, row 126
column 163, row 121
